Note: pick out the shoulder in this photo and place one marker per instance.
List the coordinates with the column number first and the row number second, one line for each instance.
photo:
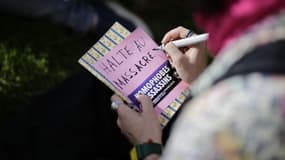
column 232, row 116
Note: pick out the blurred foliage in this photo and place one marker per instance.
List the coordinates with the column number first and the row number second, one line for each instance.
column 19, row 70
column 35, row 55
column 23, row 74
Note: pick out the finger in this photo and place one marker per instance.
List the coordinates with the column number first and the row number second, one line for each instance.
column 119, row 124
column 173, row 52
column 146, row 103
column 125, row 112
column 116, row 102
column 176, row 33
column 115, row 97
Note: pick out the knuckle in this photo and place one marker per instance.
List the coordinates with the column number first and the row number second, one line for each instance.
column 180, row 27
column 142, row 97
column 119, row 111
column 168, row 45
column 112, row 97
column 118, row 123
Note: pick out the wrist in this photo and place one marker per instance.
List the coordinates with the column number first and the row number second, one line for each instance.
column 149, row 140
column 146, row 137
column 147, row 151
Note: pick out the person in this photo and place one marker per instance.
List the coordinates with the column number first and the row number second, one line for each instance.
column 233, row 114
column 81, row 16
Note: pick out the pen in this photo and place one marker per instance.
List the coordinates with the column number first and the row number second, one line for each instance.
column 187, row 41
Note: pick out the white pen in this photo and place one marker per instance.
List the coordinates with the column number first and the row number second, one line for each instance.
column 187, row 41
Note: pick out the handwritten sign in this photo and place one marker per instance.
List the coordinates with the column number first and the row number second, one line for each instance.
column 130, row 62
column 126, row 63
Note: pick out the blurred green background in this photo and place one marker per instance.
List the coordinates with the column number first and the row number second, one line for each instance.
column 36, row 55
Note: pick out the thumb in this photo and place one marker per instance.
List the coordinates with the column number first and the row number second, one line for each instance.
column 146, row 103
column 173, row 52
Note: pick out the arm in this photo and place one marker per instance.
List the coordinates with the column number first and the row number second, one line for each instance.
column 141, row 127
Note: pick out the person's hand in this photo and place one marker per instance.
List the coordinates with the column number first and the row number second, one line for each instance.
column 188, row 61
column 139, row 127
